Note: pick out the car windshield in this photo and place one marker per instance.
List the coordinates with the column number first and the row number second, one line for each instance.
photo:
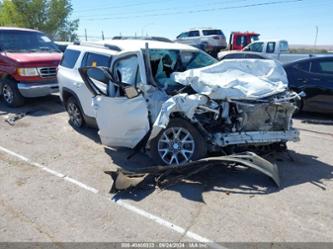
column 25, row 41
column 164, row 62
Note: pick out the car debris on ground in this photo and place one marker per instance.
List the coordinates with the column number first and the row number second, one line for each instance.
column 13, row 117
column 166, row 176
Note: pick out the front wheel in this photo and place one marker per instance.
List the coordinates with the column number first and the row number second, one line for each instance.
column 11, row 95
column 178, row 144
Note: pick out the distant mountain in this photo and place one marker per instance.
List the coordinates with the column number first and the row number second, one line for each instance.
column 303, row 46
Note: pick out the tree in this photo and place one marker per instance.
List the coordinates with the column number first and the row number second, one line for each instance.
column 49, row 16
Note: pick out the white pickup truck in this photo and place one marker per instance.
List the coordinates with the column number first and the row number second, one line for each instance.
column 271, row 49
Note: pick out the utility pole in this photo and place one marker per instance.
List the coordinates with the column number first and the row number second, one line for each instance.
column 316, row 37
column 103, row 38
column 85, row 34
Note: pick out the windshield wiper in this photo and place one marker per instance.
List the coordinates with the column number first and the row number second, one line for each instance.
column 48, row 49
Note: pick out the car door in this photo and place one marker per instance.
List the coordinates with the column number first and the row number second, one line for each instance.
column 122, row 120
column 90, row 59
column 320, row 90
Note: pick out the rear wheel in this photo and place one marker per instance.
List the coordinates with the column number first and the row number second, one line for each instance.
column 11, row 95
column 74, row 112
column 178, row 144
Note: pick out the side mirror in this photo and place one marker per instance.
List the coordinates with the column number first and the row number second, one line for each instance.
column 131, row 92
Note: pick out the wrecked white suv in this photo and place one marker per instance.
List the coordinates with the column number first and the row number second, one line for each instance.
column 181, row 104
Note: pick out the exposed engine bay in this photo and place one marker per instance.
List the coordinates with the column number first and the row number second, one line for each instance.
column 233, row 104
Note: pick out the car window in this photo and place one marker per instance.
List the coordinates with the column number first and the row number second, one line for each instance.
column 270, row 47
column 241, row 40
column 96, row 60
column 234, row 56
column 193, row 33
column 126, row 70
column 69, row 58
column 26, row 41
column 284, row 46
column 164, row 62
column 325, row 67
column 212, row 32
column 183, row 35
column 99, row 79
column 256, row 47
column 304, row 66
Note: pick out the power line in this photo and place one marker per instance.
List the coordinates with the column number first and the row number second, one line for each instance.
column 198, row 11
column 171, row 8
column 106, row 7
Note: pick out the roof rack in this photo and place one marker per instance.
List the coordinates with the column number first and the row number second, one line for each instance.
column 99, row 45
column 143, row 38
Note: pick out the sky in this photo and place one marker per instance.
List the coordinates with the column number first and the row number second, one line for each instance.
column 293, row 20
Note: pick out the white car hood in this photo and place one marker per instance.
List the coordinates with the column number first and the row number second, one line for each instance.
column 236, row 79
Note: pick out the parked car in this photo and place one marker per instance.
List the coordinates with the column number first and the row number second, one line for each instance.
column 139, row 102
column 314, row 77
column 28, row 65
column 210, row 40
column 240, row 55
column 276, row 49
column 239, row 40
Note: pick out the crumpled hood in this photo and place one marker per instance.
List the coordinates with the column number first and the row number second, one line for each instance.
column 236, row 79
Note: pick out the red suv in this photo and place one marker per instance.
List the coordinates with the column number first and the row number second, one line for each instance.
column 28, row 65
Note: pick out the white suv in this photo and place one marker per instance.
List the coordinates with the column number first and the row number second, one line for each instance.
column 154, row 95
column 73, row 92
column 209, row 40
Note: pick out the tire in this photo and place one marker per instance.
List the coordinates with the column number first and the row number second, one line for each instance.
column 178, row 144
column 10, row 94
column 76, row 118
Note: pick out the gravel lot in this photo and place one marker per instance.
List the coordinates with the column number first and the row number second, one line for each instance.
column 72, row 203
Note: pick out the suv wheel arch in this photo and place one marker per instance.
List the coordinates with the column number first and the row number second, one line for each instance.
column 66, row 94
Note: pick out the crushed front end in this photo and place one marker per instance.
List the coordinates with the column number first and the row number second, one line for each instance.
column 229, row 123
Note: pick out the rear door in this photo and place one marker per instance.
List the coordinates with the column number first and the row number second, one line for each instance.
column 122, row 121
column 320, row 92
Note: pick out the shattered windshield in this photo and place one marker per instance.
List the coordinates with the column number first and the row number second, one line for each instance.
column 25, row 41
column 164, row 62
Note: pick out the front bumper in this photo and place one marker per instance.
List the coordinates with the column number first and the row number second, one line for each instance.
column 32, row 90
column 256, row 138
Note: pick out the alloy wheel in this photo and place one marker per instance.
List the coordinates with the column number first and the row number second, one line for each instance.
column 8, row 94
column 176, row 146
column 74, row 114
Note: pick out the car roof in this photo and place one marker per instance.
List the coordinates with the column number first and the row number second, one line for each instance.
column 271, row 40
column 136, row 45
column 92, row 49
column 207, row 28
column 19, row 29
column 114, row 47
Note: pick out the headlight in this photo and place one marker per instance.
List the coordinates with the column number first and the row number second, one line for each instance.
column 28, row 71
